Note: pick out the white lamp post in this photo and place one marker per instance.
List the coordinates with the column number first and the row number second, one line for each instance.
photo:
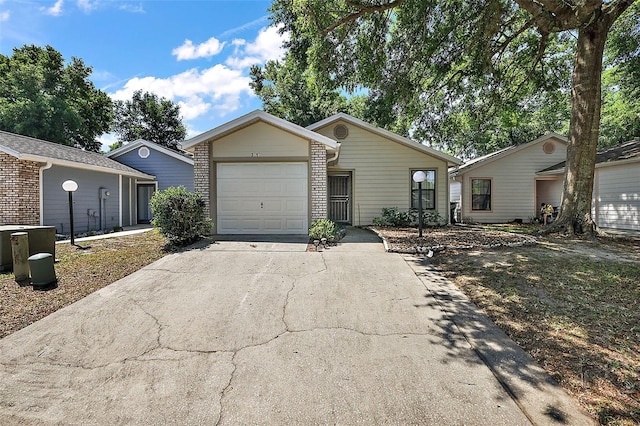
column 70, row 186
column 419, row 177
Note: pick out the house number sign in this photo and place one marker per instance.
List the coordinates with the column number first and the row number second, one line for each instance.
column 255, row 154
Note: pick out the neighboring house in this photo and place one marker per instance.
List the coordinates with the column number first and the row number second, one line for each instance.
column 505, row 185
column 170, row 168
column 616, row 186
column 31, row 175
column 264, row 175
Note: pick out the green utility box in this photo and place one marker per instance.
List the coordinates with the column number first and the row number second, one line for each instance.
column 42, row 239
column 43, row 274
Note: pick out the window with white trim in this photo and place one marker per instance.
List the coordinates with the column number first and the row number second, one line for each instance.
column 428, row 190
column 480, row 194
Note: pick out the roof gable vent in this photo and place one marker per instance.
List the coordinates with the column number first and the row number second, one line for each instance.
column 341, row 131
column 548, row 147
column 144, row 152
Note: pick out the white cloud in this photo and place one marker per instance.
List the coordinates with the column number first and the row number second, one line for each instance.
column 4, row 16
column 207, row 49
column 267, row 46
column 220, row 89
column 249, row 25
column 55, row 10
column 132, row 8
column 86, row 5
column 196, row 92
column 106, row 140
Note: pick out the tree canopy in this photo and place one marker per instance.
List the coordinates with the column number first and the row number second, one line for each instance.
column 452, row 68
column 42, row 97
column 149, row 117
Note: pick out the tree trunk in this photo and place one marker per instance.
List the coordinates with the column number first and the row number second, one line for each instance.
column 575, row 211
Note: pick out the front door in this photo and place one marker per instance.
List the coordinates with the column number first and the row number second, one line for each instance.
column 340, row 198
column 145, row 192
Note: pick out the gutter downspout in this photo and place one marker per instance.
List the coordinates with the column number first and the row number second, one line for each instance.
column 46, row 166
column 120, row 201
column 335, row 156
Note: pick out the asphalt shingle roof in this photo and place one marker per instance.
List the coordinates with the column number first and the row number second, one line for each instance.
column 624, row 151
column 28, row 147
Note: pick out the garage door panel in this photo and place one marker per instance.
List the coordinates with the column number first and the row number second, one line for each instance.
column 275, row 203
column 237, row 207
column 295, row 207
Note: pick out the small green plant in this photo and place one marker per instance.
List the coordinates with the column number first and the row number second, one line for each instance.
column 431, row 218
column 392, row 216
column 180, row 215
column 323, row 228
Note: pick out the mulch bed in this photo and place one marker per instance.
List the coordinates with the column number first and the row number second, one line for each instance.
column 406, row 240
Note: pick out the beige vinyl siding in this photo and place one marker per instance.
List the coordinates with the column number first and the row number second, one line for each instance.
column 260, row 140
column 617, row 197
column 549, row 191
column 381, row 173
column 513, row 183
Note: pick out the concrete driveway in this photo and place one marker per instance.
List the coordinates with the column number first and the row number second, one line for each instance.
column 243, row 332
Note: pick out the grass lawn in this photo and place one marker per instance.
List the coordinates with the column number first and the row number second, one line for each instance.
column 79, row 273
column 573, row 305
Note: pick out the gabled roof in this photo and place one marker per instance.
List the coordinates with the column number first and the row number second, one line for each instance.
column 256, row 116
column 151, row 145
column 31, row 149
column 385, row 134
column 486, row 159
column 626, row 152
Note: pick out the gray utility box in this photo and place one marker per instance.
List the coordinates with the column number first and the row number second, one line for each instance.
column 42, row 239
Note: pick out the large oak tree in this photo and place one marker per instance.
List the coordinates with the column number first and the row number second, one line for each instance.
column 424, row 50
column 43, row 97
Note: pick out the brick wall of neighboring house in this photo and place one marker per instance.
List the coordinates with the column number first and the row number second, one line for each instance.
column 202, row 173
column 318, row 181
column 19, row 191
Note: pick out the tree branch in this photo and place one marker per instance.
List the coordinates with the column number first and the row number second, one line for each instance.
column 363, row 9
column 616, row 8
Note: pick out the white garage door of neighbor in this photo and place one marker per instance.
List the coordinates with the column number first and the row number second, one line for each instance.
column 262, row 198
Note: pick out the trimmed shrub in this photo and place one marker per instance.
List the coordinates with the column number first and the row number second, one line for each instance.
column 393, row 217
column 323, row 228
column 179, row 215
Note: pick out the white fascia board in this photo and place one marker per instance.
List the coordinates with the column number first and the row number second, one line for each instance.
column 509, row 151
column 255, row 116
column 9, row 151
column 82, row 166
column 141, row 142
column 386, row 134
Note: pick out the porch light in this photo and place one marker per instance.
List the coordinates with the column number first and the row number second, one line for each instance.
column 70, row 186
column 419, row 177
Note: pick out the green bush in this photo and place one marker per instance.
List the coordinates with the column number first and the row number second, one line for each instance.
column 180, row 215
column 323, row 228
column 392, row 216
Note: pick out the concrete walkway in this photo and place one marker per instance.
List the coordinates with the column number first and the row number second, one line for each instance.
column 224, row 335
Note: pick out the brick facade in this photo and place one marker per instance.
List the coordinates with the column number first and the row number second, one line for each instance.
column 19, row 191
column 318, row 181
column 202, row 173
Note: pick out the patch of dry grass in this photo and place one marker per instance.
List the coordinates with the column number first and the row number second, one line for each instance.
column 574, row 306
column 79, row 273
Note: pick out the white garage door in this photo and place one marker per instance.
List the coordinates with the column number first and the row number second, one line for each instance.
column 262, row 198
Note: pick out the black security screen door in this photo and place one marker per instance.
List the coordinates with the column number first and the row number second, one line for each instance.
column 339, row 194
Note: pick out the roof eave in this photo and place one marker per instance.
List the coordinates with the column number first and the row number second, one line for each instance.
column 253, row 117
column 83, row 166
column 451, row 161
column 141, row 142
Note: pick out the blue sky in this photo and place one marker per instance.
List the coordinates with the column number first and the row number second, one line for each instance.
column 196, row 53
